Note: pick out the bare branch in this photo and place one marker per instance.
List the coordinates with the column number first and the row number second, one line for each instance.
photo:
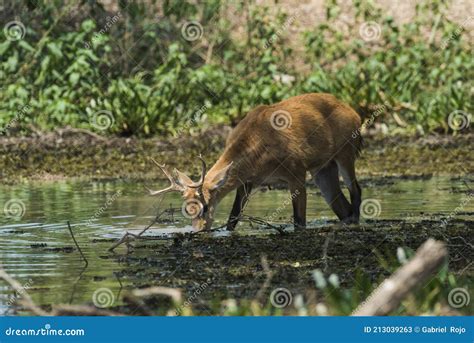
column 77, row 245
column 388, row 296
column 131, row 236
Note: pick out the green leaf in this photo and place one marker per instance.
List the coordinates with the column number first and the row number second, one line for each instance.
column 4, row 46
column 55, row 50
column 26, row 46
column 74, row 78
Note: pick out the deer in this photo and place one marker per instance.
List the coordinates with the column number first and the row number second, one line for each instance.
column 282, row 142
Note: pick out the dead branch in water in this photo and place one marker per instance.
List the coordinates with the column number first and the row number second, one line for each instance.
column 256, row 220
column 128, row 236
column 134, row 297
column 263, row 222
column 77, row 245
column 388, row 296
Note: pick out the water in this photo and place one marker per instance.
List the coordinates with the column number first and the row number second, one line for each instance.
column 35, row 244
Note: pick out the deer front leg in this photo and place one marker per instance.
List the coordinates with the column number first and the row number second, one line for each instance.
column 241, row 199
column 298, row 199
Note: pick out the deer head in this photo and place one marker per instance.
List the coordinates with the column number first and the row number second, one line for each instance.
column 200, row 198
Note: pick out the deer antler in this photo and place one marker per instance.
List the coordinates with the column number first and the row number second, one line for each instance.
column 173, row 187
column 203, row 174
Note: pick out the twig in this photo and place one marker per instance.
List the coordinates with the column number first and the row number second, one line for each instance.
column 388, row 296
column 263, row 222
column 125, row 237
column 134, row 297
column 250, row 219
column 77, row 245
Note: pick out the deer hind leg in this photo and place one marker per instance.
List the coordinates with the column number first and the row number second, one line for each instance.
column 347, row 170
column 327, row 180
column 241, row 198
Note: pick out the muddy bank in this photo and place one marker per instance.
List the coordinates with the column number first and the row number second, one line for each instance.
column 230, row 267
column 74, row 154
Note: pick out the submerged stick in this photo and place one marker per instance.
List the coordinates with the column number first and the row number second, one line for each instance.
column 388, row 296
column 77, row 245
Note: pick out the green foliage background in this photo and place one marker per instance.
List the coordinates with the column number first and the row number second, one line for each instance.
column 77, row 59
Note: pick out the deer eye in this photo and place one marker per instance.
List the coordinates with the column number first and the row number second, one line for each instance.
column 205, row 208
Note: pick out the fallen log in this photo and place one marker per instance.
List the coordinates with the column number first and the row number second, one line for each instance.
column 388, row 296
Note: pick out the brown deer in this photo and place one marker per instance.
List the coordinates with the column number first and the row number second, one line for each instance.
column 313, row 132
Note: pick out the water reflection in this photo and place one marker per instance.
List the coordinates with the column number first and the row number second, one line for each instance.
column 37, row 245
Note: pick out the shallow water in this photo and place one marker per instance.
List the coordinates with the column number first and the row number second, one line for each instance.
column 36, row 247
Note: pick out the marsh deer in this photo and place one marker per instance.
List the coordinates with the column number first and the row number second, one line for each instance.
column 282, row 142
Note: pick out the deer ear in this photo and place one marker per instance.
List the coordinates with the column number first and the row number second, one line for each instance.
column 221, row 177
column 182, row 179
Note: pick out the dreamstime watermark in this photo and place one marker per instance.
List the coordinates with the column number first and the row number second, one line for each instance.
column 285, row 204
column 192, row 30
column 459, row 297
column 103, row 297
column 277, row 35
column 370, row 208
column 46, row 331
column 14, row 209
column 370, row 31
column 380, row 109
column 101, row 210
column 12, row 299
column 192, row 208
column 456, row 33
column 281, row 297
column 459, row 120
column 102, row 120
column 110, row 21
column 281, row 120
column 202, row 287
column 458, row 209
column 193, row 120
column 14, row 30
column 20, row 114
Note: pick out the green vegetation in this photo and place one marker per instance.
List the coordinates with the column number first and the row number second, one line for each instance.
column 442, row 295
column 133, row 72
